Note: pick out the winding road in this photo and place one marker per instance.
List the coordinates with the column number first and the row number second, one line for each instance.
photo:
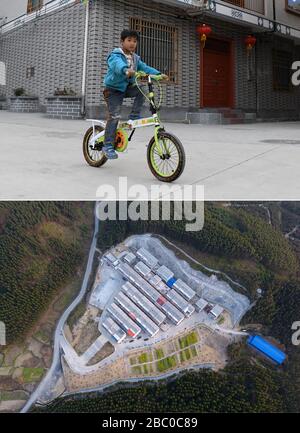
column 289, row 235
column 59, row 329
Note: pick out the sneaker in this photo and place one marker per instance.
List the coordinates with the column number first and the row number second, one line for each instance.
column 109, row 152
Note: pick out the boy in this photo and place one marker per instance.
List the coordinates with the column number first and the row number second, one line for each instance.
column 123, row 63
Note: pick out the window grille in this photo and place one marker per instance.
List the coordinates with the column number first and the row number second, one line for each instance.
column 158, row 46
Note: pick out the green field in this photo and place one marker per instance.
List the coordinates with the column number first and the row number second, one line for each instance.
column 194, row 351
column 166, row 363
column 188, row 340
column 5, row 371
column 159, row 353
column 132, row 361
column 143, row 358
column 13, row 395
column 32, row 374
column 182, row 356
column 187, row 354
column 42, row 337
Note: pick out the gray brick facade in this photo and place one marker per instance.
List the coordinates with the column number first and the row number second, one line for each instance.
column 53, row 44
column 24, row 104
column 3, row 104
column 63, row 107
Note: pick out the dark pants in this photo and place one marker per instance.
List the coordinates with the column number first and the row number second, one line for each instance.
column 114, row 100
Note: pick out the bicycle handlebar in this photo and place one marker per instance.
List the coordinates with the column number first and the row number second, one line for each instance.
column 159, row 77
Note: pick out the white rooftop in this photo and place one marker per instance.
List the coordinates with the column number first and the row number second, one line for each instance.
column 165, row 273
column 217, row 310
column 130, row 257
column 201, row 304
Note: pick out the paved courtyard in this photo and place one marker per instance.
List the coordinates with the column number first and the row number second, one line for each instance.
column 42, row 159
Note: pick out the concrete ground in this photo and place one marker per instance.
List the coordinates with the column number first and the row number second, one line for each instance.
column 42, row 159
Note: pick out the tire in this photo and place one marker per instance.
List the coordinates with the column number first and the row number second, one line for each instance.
column 179, row 166
column 99, row 158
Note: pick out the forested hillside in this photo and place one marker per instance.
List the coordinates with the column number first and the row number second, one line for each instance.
column 40, row 249
column 239, row 388
column 232, row 233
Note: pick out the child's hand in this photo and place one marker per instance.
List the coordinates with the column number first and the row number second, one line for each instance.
column 164, row 77
column 130, row 73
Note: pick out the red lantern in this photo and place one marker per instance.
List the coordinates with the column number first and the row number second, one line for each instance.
column 203, row 30
column 250, row 41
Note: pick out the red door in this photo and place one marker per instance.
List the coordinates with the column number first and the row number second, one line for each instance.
column 216, row 74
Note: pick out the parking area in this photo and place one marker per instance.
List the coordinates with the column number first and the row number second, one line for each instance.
column 42, row 159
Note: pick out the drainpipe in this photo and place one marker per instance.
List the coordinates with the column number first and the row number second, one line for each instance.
column 274, row 11
column 86, row 34
column 256, row 80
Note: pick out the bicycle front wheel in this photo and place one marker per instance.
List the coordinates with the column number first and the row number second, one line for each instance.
column 168, row 165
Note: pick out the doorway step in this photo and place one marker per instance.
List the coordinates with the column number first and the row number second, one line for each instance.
column 220, row 116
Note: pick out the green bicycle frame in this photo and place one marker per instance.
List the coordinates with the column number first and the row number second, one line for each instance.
column 154, row 110
column 154, row 120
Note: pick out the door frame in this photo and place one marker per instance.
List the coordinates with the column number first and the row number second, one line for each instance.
column 231, row 71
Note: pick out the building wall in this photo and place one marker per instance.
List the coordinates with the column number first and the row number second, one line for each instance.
column 275, row 103
column 286, row 17
column 282, row 15
column 249, row 94
column 53, row 45
column 186, row 93
column 252, row 6
column 110, row 18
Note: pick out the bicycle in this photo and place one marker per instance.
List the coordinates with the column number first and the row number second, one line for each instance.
column 165, row 152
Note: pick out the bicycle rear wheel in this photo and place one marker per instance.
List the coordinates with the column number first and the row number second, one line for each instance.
column 170, row 165
column 93, row 154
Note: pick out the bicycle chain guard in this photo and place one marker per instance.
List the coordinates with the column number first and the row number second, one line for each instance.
column 121, row 142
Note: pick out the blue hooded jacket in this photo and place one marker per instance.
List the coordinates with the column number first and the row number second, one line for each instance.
column 117, row 64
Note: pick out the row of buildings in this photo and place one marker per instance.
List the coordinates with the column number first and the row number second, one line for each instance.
column 150, row 297
column 65, row 43
column 133, row 309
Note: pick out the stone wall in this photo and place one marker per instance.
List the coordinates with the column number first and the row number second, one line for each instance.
column 24, row 104
column 63, row 107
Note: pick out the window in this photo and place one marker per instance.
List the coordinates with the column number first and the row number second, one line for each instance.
column 30, row 72
column 240, row 3
column 282, row 62
column 293, row 6
column 158, row 46
column 252, row 5
column 34, row 5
